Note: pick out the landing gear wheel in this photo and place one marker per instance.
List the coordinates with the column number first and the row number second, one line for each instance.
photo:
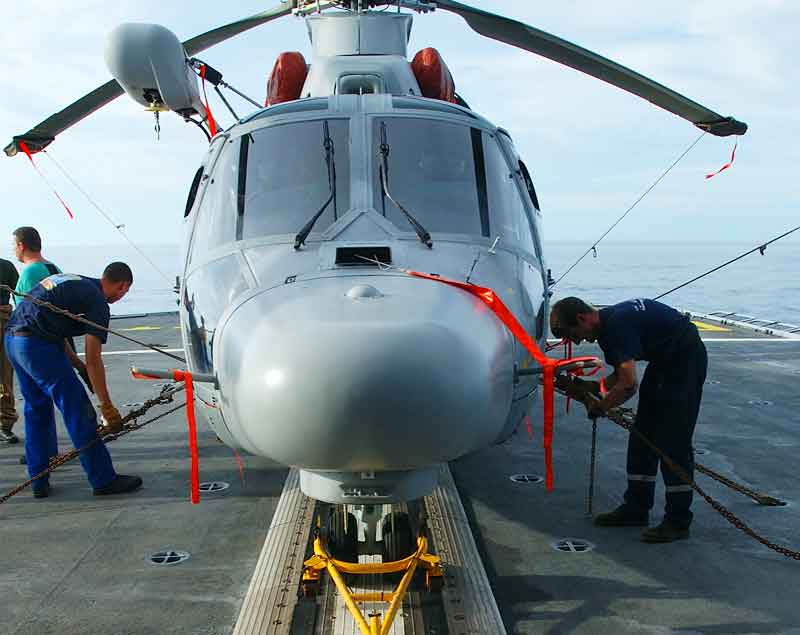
column 398, row 540
column 343, row 536
column 434, row 583
column 310, row 589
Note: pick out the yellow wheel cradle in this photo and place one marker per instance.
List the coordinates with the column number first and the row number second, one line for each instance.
column 321, row 560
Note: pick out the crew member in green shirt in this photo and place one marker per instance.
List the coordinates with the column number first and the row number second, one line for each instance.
column 28, row 249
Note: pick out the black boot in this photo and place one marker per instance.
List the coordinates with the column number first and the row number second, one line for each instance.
column 622, row 516
column 120, row 485
column 665, row 532
column 8, row 437
column 41, row 490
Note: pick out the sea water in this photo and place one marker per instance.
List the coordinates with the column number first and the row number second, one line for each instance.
column 765, row 286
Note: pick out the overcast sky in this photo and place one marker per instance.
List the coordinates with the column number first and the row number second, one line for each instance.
column 592, row 149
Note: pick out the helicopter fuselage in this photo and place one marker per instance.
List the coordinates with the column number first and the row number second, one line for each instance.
column 330, row 357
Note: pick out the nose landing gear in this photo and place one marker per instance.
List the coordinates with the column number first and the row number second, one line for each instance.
column 336, row 551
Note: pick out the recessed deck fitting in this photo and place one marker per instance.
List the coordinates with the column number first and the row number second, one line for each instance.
column 700, row 451
column 133, row 405
column 759, row 402
column 572, row 545
column 168, row 557
column 214, row 486
column 712, row 382
column 526, row 478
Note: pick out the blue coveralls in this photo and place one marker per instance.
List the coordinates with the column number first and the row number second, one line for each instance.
column 669, row 397
column 34, row 340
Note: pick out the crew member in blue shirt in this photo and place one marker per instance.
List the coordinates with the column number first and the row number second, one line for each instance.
column 669, row 399
column 36, row 345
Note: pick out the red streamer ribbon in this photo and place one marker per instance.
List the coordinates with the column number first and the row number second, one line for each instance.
column 529, row 427
column 727, row 165
column 186, row 377
column 549, row 365
column 567, row 355
column 24, row 147
column 212, row 125
column 240, row 463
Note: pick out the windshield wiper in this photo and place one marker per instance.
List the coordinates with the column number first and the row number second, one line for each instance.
column 327, row 144
column 423, row 234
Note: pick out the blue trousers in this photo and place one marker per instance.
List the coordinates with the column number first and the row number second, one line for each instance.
column 46, row 376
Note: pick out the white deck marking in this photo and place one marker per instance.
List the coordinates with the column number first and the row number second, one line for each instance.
column 138, row 351
column 751, row 339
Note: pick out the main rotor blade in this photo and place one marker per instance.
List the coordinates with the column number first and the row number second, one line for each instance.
column 552, row 47
column 41, row 135
column 220, row 34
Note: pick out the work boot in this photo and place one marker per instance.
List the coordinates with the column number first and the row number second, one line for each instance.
column 622, row 516
column 8, row 437
column 41, row 490
column 665, row 532
column 120, row 485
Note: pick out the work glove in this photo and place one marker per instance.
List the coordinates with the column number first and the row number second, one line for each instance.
column 578, row 388
column 591, row 387
column 85, row 377
column 111, row 418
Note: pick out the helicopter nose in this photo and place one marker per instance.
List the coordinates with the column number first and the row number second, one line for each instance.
column 350, row 374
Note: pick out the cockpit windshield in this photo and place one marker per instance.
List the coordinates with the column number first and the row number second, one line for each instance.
column 432, row 172
column 452, row 177
column 288, row 176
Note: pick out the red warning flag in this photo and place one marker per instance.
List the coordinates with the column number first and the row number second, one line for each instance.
column 186, row 377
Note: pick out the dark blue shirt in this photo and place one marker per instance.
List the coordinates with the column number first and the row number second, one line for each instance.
column 639, row 329
column 77, row 294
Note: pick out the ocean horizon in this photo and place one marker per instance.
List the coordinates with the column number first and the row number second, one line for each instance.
column 765, row 286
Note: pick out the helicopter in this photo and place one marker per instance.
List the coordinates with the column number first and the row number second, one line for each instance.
column 305, row 217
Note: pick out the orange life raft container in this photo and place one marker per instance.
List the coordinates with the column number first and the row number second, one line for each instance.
column 433, row 76
column 287, row 78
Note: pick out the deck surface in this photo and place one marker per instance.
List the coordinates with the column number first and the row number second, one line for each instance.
column 77, row 563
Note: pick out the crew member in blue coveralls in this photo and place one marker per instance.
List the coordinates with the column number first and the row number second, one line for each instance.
column 669, row 399
column 36, row 345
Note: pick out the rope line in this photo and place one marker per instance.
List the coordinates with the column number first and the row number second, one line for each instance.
column 165, row 397
column 624, row 417
column 83, row 320
column 593, row 248
column 108, row 218
column 762, row 248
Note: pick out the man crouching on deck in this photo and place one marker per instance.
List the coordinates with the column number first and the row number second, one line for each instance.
column 36, row 345
column 669, row 399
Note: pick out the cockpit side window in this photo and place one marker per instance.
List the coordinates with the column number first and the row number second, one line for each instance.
column 216, row 215
column 193, row 190
column 292, row 170
column 526, row 177
column 508, row 215
column 434, row 171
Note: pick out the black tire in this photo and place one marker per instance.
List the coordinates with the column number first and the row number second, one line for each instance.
column 434, row 584
column 310, row 589
column 343, row 540
column 398, row 541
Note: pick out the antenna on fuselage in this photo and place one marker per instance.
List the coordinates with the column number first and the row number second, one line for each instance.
column 491, row 250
